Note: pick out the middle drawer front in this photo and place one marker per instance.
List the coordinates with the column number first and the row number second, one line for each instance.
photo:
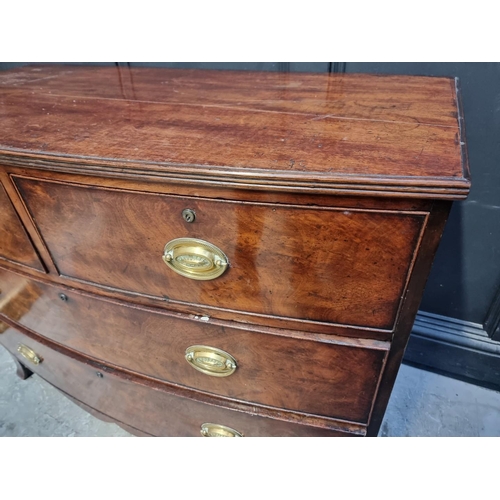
column 323, row 375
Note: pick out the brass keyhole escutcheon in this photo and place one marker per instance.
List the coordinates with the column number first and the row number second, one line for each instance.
column 218, row 430
column 210, row 360
column 195, row 259
column 188, row 215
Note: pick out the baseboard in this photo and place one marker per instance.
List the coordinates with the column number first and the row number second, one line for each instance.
column 455, row 348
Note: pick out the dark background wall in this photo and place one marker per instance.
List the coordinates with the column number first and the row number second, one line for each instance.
column 462, row 294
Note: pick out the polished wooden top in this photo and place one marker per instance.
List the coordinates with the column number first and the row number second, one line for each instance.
column 361, row 134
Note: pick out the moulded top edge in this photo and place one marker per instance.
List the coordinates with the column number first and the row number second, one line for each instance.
column 336, row 130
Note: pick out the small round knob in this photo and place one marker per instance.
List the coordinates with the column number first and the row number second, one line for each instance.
column 63, row 297
column 188, row 215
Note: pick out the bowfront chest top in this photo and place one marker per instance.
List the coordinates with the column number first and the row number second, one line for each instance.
column 216, row 253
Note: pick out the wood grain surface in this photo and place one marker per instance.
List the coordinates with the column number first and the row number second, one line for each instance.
column 15, row 245
column 354, row 131
column 426, row 100
column 154, row 410
column 327, row 375
column 411, row 302
column 329, row 265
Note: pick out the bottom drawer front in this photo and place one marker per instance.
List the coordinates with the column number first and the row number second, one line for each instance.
column 147, row 409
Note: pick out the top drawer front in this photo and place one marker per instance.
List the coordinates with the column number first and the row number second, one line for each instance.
column 331, row 265
column 15, row 245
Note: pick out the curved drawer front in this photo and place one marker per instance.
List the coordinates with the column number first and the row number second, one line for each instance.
column 15, row 244
column 161, row 413
column 17, row 295
column 333, row 265
column 326, row 376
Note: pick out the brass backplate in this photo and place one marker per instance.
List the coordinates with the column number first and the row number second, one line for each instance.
column 29, row 354
column 195, row 259
column 210, row 360
column 218, row 430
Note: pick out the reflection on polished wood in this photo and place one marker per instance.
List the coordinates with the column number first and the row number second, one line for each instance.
column 17, row 295
column 365, row 132
column 15, row 245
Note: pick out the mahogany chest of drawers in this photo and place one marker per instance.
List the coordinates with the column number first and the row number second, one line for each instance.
column 221, row 253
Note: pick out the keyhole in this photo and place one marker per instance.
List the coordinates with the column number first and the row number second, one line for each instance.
column 188, row 215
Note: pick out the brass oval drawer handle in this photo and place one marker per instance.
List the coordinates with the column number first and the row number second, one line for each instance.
column 29, row 354
column 210, row 360
column 195, row 259
column 218, row 430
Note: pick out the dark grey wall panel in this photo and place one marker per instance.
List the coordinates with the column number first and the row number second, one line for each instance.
column 312, row 67
column 5, row 66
